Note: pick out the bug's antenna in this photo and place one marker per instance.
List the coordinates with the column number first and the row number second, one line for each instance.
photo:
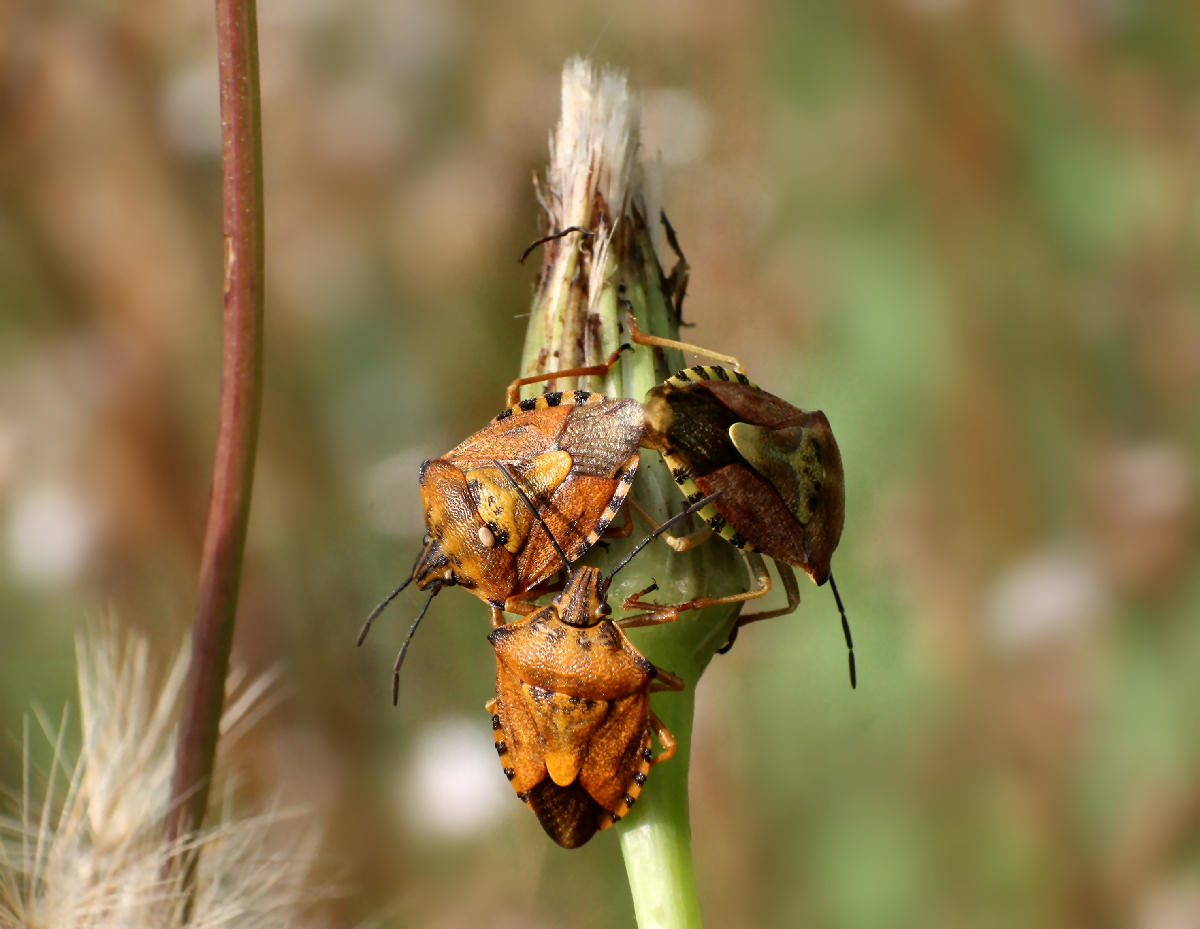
column 388, row 599
column 698, row 505
column 404, row 647
column 362, row 635
column 846, row 632
column 533, row 509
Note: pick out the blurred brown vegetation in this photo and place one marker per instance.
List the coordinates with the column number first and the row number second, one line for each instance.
column 968, row 231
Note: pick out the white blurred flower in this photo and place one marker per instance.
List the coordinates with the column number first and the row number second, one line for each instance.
column 454, row 787
column 50, row 533
column 1051, row 596
column 1171, row 905
column 190, row 109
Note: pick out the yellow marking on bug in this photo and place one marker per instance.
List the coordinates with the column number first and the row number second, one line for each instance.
column 710, row 514
column 624, row 477
column 789, row 458
column 698, row 373
column 498, row 503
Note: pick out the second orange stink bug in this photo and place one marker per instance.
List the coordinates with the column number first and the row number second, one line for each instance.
column 571, row 716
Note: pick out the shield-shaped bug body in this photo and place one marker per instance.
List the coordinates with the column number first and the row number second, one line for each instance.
column 572, row 457
column 778, row 467
column 571, row 716
column 574, row 454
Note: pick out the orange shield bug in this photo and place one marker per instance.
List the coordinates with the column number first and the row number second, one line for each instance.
column 574, row 455
column 571, row 716
column 546, row 472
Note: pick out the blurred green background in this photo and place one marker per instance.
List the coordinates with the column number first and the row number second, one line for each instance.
column 968, row 231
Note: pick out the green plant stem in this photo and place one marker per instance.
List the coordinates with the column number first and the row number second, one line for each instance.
column 657, row 846
column 241, row 381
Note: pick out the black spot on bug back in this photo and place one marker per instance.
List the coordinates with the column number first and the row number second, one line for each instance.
column 581, row 397
column 504, row 414
column 554, row 398
column 528, row 404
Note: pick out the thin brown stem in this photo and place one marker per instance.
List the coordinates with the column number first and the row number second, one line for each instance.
column 241, row 380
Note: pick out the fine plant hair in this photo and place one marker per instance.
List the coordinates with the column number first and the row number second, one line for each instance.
column 84, row 848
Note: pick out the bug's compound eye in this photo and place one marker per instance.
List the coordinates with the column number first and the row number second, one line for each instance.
column 487, row 538
column 428, row 538
column 603, row 610
column 448, row 577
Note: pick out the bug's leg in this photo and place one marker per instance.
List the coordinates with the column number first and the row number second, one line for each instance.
column 685, row 543
column 512, row 396
column 681, row 543
column 586, row 233
column 644, row 338
column 666, row 737
column 677, row 280
column 522, row 604
column 657, row 613
column 623, row 531
column 665, row 680
column 790, row 587
column 667, row 613
column 788, row 577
